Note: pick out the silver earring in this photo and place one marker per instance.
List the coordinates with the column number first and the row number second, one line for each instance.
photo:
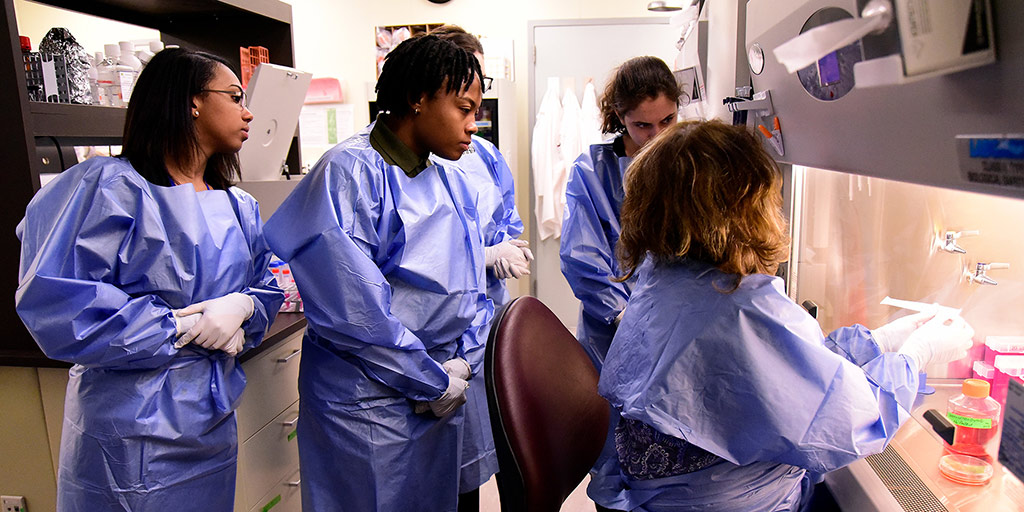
column 195, row 113
column 416, row 111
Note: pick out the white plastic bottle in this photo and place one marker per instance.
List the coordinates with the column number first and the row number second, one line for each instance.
column 98, row 98
column 107, row 75
column 105, row 79
column 146, row 54
column 128, row 67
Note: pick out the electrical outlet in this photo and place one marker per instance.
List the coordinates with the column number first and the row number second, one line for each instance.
column 12, row 504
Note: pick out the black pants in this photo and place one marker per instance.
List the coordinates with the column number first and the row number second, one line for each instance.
column 470, row 502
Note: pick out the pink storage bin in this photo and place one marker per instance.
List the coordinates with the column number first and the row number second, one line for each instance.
column 985, row 372
column 1002, row 345
column 1007, row 367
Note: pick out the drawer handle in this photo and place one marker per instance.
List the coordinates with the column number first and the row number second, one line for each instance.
column 294, row 484
column 290, row 423
column 289, row 356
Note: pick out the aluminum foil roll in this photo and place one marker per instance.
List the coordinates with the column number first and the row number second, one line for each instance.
column 59, row 41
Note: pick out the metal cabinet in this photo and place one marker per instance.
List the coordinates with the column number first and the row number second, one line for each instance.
column 268, row 454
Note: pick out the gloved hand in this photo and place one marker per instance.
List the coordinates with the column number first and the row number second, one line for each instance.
column 941, row 340
column 452, row 398
column 510, row 258
column 458, row 367
column 182, row 324
column 891, row 336
column 221, row 318
column 237, row 342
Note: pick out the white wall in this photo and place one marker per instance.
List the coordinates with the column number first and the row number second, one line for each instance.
column 35, row 20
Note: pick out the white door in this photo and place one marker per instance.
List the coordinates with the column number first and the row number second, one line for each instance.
column 575, row 50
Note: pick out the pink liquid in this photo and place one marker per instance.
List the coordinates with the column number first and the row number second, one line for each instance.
column 976, row 442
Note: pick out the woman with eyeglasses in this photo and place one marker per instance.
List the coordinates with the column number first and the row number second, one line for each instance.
column 149, row 272
column 384, row 244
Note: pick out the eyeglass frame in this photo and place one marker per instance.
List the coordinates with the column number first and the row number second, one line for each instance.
column 232, row 92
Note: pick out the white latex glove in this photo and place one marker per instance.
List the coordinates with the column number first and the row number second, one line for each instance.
column 941, row 340
column 237, row 342
column 452, row 398
column 221, row 317
column 507, row 259
column 457, row 367
column 524, row 247
column 891, row 336
column 182, row 324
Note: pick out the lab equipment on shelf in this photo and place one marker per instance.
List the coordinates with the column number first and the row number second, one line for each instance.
column 283, row 273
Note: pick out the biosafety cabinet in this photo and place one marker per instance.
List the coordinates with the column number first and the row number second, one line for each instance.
column 901, row 124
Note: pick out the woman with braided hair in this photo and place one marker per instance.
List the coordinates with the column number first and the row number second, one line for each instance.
column 387, row 253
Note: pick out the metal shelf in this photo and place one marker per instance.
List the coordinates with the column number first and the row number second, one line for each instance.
column 77, row 123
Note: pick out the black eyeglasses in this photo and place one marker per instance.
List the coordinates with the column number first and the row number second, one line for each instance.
column 487, row 83
column 237, row 96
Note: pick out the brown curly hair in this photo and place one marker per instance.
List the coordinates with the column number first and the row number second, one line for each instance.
column 635, row 81
column 706, row 191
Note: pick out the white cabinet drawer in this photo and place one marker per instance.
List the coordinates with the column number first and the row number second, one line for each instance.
column 283, row 497
column 272, row 385
column 268, row 457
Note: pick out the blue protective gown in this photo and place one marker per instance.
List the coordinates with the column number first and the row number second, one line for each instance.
column 746, row 376
column 105, row 257
column 590, row 230
column 491, row 179
column 391, row 273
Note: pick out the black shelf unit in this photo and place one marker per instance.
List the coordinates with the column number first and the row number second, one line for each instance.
column 218, row 27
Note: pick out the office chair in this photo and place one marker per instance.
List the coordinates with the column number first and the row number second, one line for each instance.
column 548, row 421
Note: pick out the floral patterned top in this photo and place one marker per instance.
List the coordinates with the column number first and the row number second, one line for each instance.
column 645, row 453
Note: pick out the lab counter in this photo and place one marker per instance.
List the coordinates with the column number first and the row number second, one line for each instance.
column 906, row 475
column 284, row 326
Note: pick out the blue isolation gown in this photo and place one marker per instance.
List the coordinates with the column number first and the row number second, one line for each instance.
column 105, row 257
column 391, row 272
column 748, row 377
column 590, row 230
column 491, row 179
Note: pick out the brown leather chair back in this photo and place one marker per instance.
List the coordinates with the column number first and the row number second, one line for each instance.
column 548, row 421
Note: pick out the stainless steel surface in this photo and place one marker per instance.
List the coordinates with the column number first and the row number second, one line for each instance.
column 904, row 484
column 917, row 448
column 906, row 132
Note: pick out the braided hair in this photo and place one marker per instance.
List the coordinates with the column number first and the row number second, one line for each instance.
column 423, row 65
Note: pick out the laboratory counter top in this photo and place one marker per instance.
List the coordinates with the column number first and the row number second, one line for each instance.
column 906, row 476
column 283, row 327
